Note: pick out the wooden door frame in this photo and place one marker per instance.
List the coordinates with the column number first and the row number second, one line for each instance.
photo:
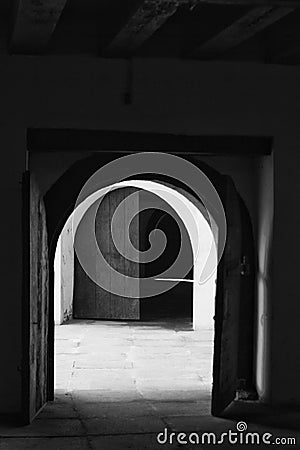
column 109, row 145
column 25, row 295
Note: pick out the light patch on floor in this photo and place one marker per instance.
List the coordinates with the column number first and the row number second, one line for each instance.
column 159, row 361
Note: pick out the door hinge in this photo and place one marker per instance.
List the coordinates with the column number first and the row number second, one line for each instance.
column 245, row 266
column 241, row 268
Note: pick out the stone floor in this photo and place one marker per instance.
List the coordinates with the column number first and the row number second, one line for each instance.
column 120, row 384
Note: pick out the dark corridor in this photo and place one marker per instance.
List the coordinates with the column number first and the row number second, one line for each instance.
column 176, row 303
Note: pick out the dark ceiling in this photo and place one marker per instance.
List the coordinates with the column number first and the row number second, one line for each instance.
column 265, row 31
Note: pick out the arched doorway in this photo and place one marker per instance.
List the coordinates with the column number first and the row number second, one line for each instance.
column 59, row 202
column 93, row 302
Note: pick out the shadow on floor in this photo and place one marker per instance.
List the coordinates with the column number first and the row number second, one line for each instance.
column 258, row 413
column 179, row 324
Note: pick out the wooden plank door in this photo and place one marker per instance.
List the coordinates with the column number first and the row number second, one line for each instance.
column 90, row 300
column 35, row 300
column 226, row 345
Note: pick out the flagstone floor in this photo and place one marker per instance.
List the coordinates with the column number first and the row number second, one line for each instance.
column 120, row 384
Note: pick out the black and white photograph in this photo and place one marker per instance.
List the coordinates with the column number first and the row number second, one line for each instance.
column 150, row 224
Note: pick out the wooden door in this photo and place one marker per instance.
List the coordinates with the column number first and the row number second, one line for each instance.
column 226, row 345
column 35, row 300
column 90, row 300
column 246, row 387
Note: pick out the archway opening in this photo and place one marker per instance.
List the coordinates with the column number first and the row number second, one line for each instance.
column 158, row 334
column 179, row 303
column 235, row 278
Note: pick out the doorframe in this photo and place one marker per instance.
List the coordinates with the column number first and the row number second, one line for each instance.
column 109, row 145
column 25, row 294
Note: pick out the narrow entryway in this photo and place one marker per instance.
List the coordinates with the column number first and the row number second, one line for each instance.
column 226, row 331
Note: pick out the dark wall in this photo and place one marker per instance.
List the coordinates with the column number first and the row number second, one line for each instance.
column 178, row 301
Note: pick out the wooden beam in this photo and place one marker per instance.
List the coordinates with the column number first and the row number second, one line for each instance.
column 35, row 21
column 254, row 3
column 241, row 30
column 65, row 140
column 147, row 19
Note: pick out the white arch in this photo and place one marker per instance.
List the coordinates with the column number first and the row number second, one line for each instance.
column 200, row 233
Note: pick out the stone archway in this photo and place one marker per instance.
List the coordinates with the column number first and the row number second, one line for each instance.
column 59, row 202
column 201, row 243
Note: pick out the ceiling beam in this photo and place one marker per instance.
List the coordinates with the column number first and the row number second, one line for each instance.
column 244, row 28
column 146, row 20
column 101, row 141
column 34, row 23
column 254, row 3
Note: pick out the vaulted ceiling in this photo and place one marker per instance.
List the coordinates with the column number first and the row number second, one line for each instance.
column 237, row 30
